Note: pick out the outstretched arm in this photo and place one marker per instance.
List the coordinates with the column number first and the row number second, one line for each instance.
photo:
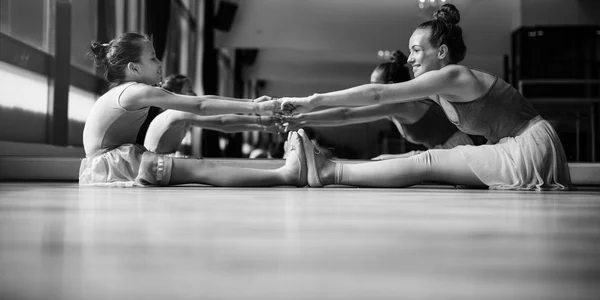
column 448, row 80
column 141, row 95
column 249, row 127
column 259, row 99
column 342, row 116
column 231, row 123
column 229, row 120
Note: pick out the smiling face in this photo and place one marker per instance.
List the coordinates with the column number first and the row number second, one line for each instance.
column 423, row 56
column 149, row 68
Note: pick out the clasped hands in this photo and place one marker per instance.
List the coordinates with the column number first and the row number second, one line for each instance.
column 286, row 113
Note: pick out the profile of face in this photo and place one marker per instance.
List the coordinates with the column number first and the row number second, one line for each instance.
column 149, row 68
column 423, row 56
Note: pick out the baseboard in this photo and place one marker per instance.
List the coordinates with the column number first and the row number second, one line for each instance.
column 39, row 168
column 31, row 149
column 31, row 161
column 585, row 173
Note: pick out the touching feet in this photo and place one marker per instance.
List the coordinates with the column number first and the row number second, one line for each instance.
column 321, row 171
column 295, row 168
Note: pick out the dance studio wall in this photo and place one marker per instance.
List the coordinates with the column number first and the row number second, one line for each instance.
column 560, row 12
column 327, row 42
column 305, row 34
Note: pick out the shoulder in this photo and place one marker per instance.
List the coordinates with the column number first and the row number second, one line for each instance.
column 456, row 71
column 462, row 80
column 144, row 90
column 468, row 75
column 446, row 76
column 135, row 95
column 468, row 84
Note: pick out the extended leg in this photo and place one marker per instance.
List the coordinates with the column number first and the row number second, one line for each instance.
column 433, row 165
column 205, row 172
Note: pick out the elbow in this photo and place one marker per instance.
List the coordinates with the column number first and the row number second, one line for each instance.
column 223, row 121
column 201, row 107
column 376, row 92
column 227, row 120
column 344, row 114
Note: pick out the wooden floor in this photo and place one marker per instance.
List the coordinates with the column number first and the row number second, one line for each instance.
column 59, row 241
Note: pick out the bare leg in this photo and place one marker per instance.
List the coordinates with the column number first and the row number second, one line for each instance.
column 392, row 156
column 205, row 172
column 434, row 165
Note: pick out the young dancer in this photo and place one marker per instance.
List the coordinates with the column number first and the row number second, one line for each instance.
column 113, row 158
column 419, row 122
column 523, row 150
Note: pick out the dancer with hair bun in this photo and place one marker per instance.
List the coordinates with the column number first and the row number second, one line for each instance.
column 523, row 150
column 114, row 159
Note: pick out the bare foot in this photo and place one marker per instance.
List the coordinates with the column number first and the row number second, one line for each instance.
column 295, row 168
column 321, row 171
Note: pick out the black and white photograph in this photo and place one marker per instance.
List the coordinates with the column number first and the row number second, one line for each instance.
column 299, row 149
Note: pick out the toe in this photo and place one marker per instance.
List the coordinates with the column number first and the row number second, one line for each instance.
column 303, row 136
column 295, row 138
column 303, row 170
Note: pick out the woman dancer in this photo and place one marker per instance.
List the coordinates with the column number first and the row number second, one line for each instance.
column 523, row 150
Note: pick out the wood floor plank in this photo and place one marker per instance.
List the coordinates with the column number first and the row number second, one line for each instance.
column 59, row 241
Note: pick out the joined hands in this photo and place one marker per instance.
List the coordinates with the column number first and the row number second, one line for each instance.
column 286, row 114
column 286, row 106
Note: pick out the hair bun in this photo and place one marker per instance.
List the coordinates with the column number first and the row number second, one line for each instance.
column 99, row 50
column 398, row 57
column 447, row 13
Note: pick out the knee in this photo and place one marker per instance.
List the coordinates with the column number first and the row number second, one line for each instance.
column 424, row 162
column 423, row 158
